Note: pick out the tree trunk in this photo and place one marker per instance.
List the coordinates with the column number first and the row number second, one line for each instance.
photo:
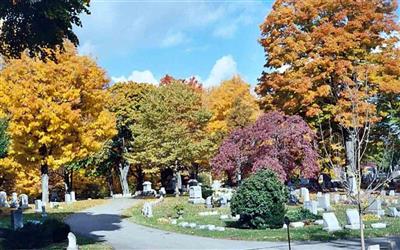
column 177, row 181
column 123, row 177
column 45, row 183
column 139, row 178
column 362, row 239
column 68, row 181
column 110, row 184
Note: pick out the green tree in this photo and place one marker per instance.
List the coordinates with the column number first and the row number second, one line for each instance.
column 171, row 130
column 38, row 24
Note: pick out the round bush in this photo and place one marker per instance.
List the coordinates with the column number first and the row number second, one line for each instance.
column 260, row 201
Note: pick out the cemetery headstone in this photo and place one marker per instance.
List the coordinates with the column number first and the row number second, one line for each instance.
column 162, row 191
column 72, row 242
column 305, row 194
column 193, row 182
column 195, row 195
column 374, row 247
column 38, row 206
column 73, row 196
column 17, row 219
column 24, row 201
column 393, row 212
column 353, row 219
column 383, row 192
column 209, row 202
column 311, row 206
column 147, row 210
column 67, row 198
column 331, row 223
column 3, row 199
column 378, row 225
column 319, row 194
column 324, row 202
column 14, row 200
column 392, row 193
column 216, row 185
column 375, row 206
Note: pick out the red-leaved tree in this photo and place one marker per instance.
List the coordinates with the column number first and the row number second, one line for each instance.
column 282, row 143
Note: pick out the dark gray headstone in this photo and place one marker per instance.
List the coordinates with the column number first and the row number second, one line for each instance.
column 17, row 219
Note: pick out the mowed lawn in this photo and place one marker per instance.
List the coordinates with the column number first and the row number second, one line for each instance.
column 165, row 210
column 59, row 213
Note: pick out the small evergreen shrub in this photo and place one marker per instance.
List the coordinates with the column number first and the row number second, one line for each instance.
column 206, row 191
column 37, row 236
column 260, row 201
column 302, row 214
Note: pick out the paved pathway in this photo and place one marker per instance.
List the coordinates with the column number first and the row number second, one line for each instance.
column 104, row 223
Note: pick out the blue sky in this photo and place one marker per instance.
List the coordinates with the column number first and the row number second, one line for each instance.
column 144, row 40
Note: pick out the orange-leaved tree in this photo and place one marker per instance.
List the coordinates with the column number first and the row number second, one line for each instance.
column 318, row 53
column 332, row 62
column 55, row 109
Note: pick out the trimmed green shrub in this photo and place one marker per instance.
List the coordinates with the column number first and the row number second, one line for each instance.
column 260, row 201
column 37, row 235
column 206, row 191
column 301, row 214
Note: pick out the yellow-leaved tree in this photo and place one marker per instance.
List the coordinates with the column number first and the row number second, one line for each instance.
column 232, row 105
column 56, row 111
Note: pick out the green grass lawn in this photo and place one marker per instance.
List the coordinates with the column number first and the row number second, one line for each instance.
column 60, row 213
column 311, row 232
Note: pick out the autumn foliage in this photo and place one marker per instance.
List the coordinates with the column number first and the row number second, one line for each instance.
column 323, row 56
column 282, row 143
column 56, row 110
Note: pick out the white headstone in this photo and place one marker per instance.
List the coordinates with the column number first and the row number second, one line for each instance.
column 216, row 185
column 383, row 192
column 324, row 202
column 374, row 247
column 162, row 191
column 14, row 200
column 305, row 194
column 319, row 194
column 393, row 212
column 67, row 198
column 73, row 196
column 353, row 219
column 209, row 202
column 24, row 201
column 72, row 242
column 331, row 223
column 375, row 206
column 378, row 225
column 392, row 193
column 147, row 210
column 3, row 199
column 195, row 195
column 311, row 206
column 147, row 186
column 38, row 206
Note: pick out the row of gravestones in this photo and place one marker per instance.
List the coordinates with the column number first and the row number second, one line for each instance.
column 331, row 223
column 15, row 202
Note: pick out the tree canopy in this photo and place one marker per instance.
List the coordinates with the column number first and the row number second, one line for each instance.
column 56, row 110
column 284, row 144
column 38, row 25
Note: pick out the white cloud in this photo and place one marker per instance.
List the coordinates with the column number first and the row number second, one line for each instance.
column 223, row 69
column 173, row 39
column 145, row 76
column 225, row 31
